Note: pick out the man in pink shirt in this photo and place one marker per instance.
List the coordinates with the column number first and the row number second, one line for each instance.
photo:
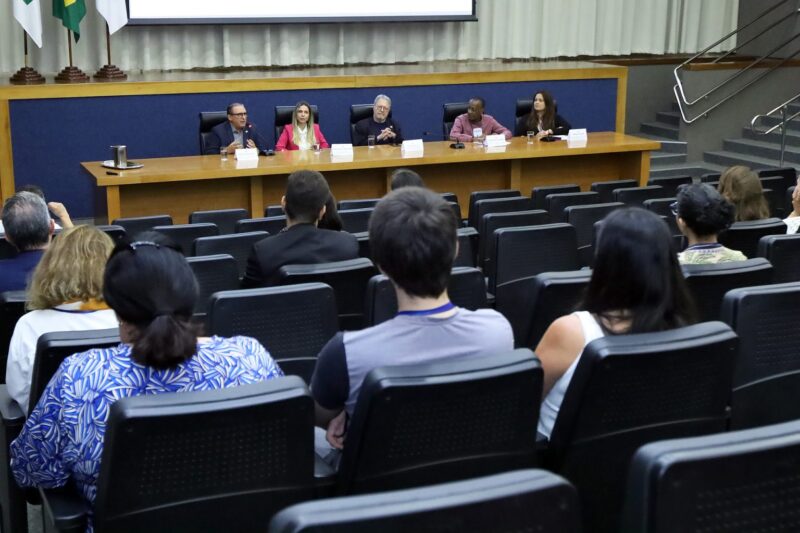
column 474, row 125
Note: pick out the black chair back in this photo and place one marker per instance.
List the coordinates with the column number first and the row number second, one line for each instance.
column 670, row 184
column 628, row 390
column 349, row 281
column 734, row 481
column 777, row 192
column 523, row 500
column 225, row 219
column 531, row 304
column 783, row 253
column 583, row 218
column 414, row 425
column 359, row 112
column 270, row 225
column 606, row 188
column 768, row 368
column 184, row 235
column 636, row 196
column 237, row 245
column 358, row 204
column 274, row 211
column 467, row 247
column 214, row 273
column 449, row 115
column 211, row 484
column 209, row 119
column 292, row 322
column 456, row 211
column 521, row 112
column 467, row 289
column 539, row 194
column 710, row 177
column 486, row 195
column 557, row 203
column 789, row 175
column 12, row 307
column 283, row 116
column 744, row 236
column 449, row 197
column 117, row 233
column 356, row 220
column 709, row 283
column 136, row 225
column 661, row 207
column 497, row 205
column 531, row 250
column 494, row 221
column 787, row 203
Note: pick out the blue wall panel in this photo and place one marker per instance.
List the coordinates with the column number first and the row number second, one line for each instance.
column 51, row 136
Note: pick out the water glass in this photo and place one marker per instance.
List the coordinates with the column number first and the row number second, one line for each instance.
column 223, row 153
column 371, row 141
column 531, row 136
column 316, row 147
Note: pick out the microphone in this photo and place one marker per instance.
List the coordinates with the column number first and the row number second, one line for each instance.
column 246, row 133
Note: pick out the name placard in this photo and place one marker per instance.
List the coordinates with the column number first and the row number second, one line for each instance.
column 342, row 150
column 412, row 146
column 577, row 138
column 246, row 154
column 495, row 140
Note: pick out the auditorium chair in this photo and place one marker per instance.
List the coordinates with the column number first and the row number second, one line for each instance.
column 271, row 225
column 486, row 195
column 539, row 194
column 497, row 205
column 449, row 197
column 783, row 253
column 415, row 425
column 629, row 390
column 456, row 212
column 636, row 196
column 363, row 244
column 283, row 116
column 359, row 112
column 583, row 218
column 521, row 500
column 744, row 236
column 789, row 175
column 225, row 219
column 51, row 349
column 709, row 283
column 349, row 281
column 737, row 481
column 767, row 375
column 214, row 273
column 292, row 322
column 530, row 250
column 274, row 211
column 237, row 245
column 358, row 204
column 606, row 188
column 557, row 203
column 135, row 225
column 663, row 208
column 532, row 303
column 184, row 235
column 670, row 184
column 221, row 460
column 12, row 307
column 449, row 115
column 494, row 221
column 467, row 289
column 521, row 111
column 356, row 220
column 710, row 177
column 787, row 204
column 774, row 201
column 117, row 233
column 209, row 119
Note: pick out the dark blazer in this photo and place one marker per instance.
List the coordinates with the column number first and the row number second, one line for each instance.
column 368, row 126
column 15, row 272
column 222, row 135
column 302, row 244
column 560, row 127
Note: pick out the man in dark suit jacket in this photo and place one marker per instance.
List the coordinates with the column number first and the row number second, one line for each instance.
column 301, row 242
column 29, row 228
column 236, row 133
column 379, row 125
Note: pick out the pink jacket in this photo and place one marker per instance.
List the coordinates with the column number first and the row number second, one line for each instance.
column 286, row 140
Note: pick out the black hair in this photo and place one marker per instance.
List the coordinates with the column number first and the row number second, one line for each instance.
column 35, row 189
column 230, row 107
column 636, row 273
column 306, row 193
column 152, row 287
column 405, row 177
column 412, row 236
column 331, row 219
column 704, row 210
column 481, row 100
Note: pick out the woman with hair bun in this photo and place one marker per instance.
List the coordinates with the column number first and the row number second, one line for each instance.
column 702, row 213
column 152, row 290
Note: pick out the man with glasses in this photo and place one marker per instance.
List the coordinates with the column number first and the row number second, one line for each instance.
column 236, row 133
column 380, row 125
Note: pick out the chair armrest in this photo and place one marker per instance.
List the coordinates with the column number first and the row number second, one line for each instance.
column 64, row 510
column 11, row 412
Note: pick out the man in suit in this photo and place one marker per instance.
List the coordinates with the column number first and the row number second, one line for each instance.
column 380, row 125
column 236, row 133
column 301, row 242
column 29, row 228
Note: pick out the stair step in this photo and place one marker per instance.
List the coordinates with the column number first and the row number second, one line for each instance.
column 693, row 168
column 768, row 122
column 661, row 129
column 726, row 159
column 667, row 145
column 665, row 159
column 792, row 137
column 669, row 117
column 766, row 150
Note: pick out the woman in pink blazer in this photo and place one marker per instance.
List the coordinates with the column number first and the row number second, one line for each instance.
column 302, row 133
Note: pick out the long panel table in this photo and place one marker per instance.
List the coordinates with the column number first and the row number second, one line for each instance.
column 179, row 185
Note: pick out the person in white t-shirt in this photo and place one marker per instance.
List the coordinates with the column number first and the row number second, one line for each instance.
column 65, row 294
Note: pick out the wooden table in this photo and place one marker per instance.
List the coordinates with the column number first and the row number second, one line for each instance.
column 180, row 185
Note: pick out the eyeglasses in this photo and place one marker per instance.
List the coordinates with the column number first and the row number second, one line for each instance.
column 382, row 107
column 240, row 115
column 674, row 208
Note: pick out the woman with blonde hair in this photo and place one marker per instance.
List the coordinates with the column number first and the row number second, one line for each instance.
column 65, row 294
column 302, row 133
column 741, row 187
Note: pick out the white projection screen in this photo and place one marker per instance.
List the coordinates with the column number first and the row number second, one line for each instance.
column 271, row 11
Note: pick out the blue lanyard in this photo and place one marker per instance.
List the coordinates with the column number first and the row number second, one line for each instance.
column 426, row 312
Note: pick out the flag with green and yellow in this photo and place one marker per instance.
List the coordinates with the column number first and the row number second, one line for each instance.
column 71, row 12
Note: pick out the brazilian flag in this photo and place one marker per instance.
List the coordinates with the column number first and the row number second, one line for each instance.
column 71, row 12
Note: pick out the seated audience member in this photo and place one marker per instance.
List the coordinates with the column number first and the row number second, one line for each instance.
column 302, row 133
column 302, row 242
column 236, row 133
column 153, row 291
column 702, row 213
column 543, row 119
column 331, row 219
column 793, row 220
column 412, row 236
column 57, row 209
column 475, row 124
column 385, row 129
column 741, row 187
column 636, row 287
column 29, row 229
column 66, row 294
column 405, row 177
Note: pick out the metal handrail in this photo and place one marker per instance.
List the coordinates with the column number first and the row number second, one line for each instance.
column 783, row 124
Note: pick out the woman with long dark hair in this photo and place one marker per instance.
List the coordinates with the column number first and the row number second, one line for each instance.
column 543, row 119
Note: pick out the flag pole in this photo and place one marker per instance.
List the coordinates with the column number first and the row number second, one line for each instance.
column 109, row 72
column 71, row 73
column 26, row 75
